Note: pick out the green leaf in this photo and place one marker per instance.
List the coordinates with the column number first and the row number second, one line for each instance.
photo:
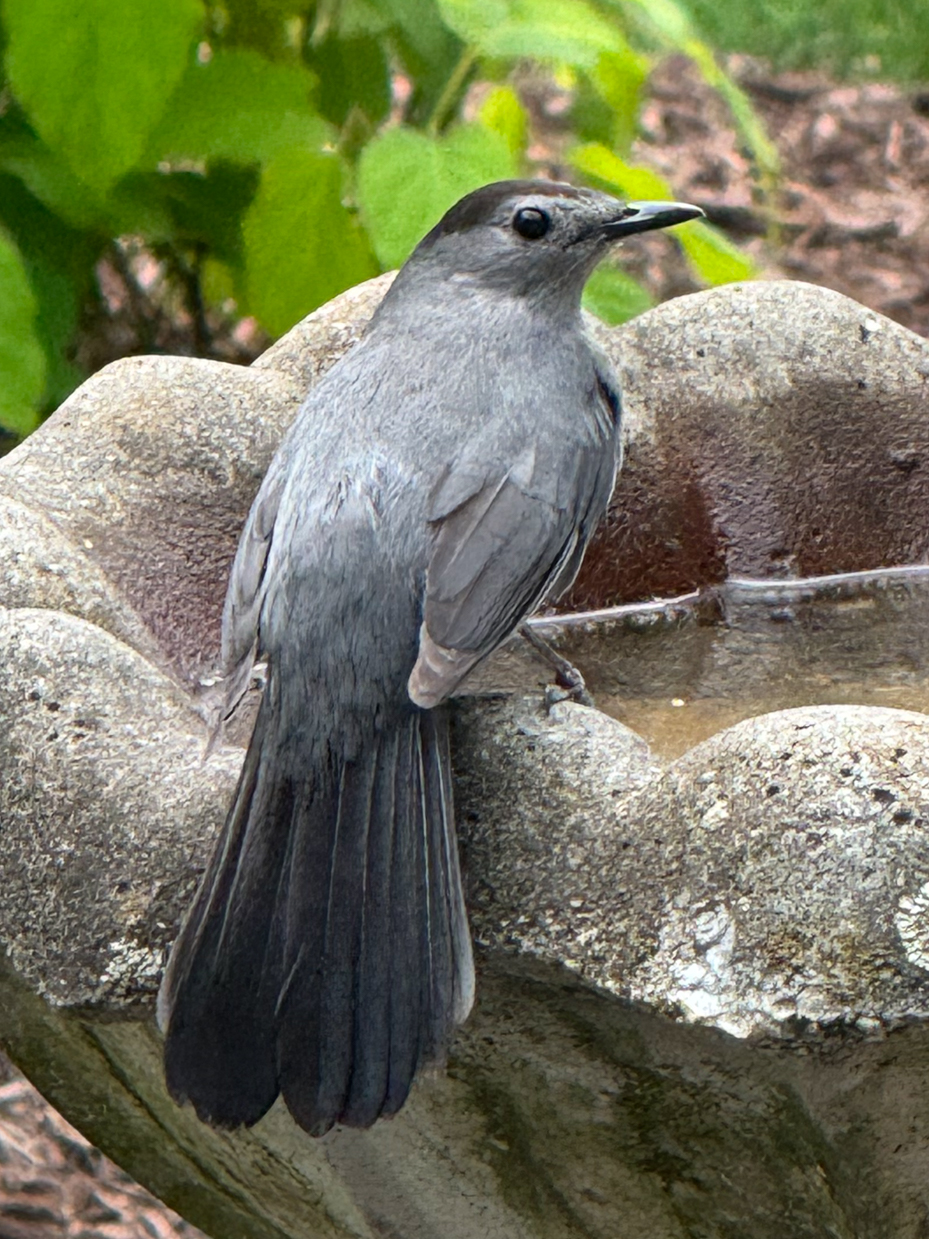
column 264, row 25
column 713, row 257
column 614, row 296
column 207, row 211
column 358, row 18
column 302, row 246
column 129, row 206
column 618, row 78
column 95, row 76
column 591, row 118
column 59, row 263
column 218, row 282
column 502, row 112
column 564, row 31
column 426, row 48
column 48, row 178
column 135, row 205
column 238, row 107
column 407, row 181
column 22, row 360
column 352, row 73
column 669, row 21
column 57, row 309
column 421, row 24
column 599, row 164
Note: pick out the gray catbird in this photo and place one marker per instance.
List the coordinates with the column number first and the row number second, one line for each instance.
column 439, row 484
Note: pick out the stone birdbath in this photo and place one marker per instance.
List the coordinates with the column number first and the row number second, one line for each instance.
column 703, row 992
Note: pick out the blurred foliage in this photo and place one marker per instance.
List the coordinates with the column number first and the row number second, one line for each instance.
column 707, row 250
column 853, row 38
column 271, row 153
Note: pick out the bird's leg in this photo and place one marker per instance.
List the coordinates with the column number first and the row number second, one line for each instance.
column 567, row 676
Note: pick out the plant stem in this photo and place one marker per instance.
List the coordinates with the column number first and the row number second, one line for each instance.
column 450, row 93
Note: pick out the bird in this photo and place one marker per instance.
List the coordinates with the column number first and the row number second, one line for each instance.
column 439, row 484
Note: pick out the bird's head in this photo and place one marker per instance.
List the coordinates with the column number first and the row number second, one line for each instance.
column 537, row 239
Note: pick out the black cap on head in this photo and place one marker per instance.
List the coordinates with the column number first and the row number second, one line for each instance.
column 533, row 239
column 480, row 206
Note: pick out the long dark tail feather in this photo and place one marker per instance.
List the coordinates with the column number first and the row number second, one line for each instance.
column 327, row 954
column 219, row 1049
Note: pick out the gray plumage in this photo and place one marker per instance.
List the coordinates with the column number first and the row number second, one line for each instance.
column 439, row 484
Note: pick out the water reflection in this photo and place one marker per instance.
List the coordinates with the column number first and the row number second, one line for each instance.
column 678, row 670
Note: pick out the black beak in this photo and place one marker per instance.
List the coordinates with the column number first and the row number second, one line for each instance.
column 644, row 216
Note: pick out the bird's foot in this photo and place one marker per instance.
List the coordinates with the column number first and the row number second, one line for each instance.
column 569, row 683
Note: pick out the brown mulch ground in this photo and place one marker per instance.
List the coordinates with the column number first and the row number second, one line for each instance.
column 54, row 1185
column 852, row 216
column 854, row 207
column 851, row 211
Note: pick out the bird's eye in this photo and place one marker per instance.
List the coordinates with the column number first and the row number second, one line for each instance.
column 531, row 223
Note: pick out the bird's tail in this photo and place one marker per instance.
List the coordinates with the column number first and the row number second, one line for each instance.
column 327, row 954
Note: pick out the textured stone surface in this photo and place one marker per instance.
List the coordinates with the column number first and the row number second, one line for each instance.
column 772, row 882
column 108, row 809
column 564, row 1113
column 149, row 469
column 41, row 566
column 555, row 858
column 775, row 429
column 804, row 880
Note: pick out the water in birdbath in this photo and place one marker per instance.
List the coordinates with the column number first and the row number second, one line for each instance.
column 677, row 671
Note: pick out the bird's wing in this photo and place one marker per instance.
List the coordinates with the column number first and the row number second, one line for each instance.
column 245, row 592
column 503, row 538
